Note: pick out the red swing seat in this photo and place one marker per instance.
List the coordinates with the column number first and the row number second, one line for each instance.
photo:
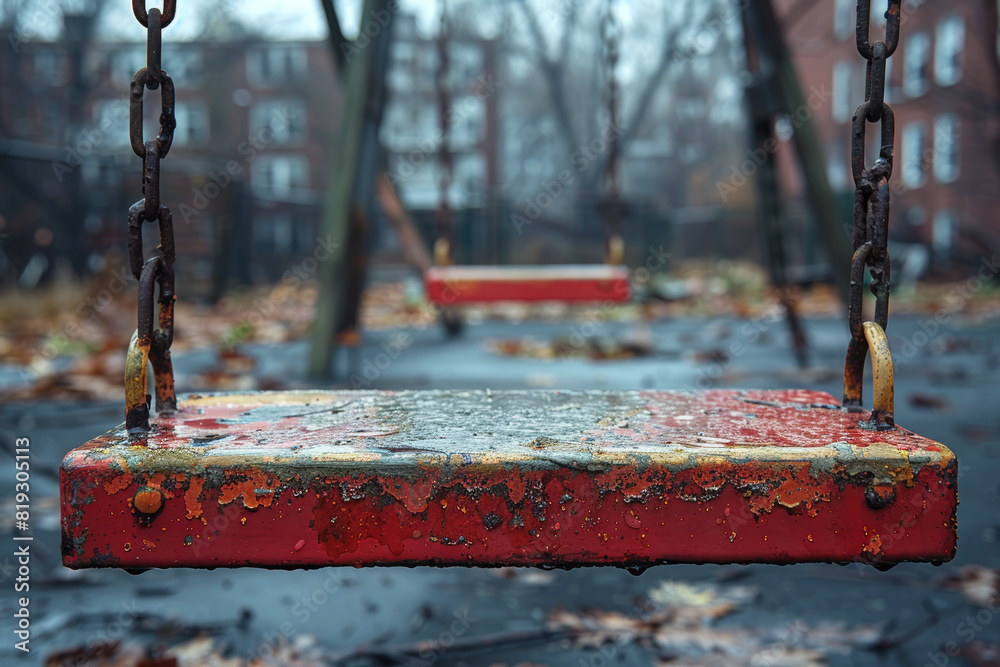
column 544, row 478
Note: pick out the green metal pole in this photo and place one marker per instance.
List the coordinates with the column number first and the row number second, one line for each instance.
column 342, row 174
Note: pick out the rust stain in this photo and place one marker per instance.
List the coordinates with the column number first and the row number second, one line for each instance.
column 257, row 491
column 155, row 480
column 117, row 484
column 148, row 500
column 192, row 498
column 121, row 463
column 414, row 495
column 801, row 488
column 515, row 486
column 628, row 481
column 874, row 547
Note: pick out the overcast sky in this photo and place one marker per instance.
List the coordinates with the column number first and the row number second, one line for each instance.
column 291, row 19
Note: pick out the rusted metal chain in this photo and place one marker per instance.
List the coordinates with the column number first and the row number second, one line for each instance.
column 871, row 212
column 444, row 216
column 151, row 345
column 612, row 208
column 142, row 16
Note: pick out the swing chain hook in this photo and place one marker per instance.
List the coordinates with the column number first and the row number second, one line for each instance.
column 151, row 345
column 871, row 219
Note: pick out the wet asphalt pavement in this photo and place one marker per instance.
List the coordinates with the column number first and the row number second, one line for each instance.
column 947, row 389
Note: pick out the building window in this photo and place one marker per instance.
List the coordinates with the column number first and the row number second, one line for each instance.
column 848, row 89
column 111, row 118
column 466, row 123
column 844, row 16
column 125, row 63
column 946, row 147
column 689, row 108
column 276, row 64
column 278, row 175
column 916, row 58
column 914, row 162
column 53, row 118
column 401, row 68
column 466, row 63
column 941, row 233
column 185, row 67
column 950, row 39
column 836, row 166
column 192, row 124
column 427, row 61
column 409, row 125
column 841, row 91
column 281, row 121
column 49, row 68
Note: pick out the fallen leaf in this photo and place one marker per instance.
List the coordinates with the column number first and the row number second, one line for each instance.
column 703, row 601
column 113, row 654
column 777, row 655
column 981, row 654
column 525, row 575
column 928, row 401
column 978, row 584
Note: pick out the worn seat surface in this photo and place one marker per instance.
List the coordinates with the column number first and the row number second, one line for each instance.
column 447, row 285
column 550, row 478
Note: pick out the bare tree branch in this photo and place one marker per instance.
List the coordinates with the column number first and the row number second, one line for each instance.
column 337, row 38
column 671, row 49
column 553, row 71
column 668, row 56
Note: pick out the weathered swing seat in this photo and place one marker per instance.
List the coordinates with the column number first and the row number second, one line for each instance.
column 542, row 478
column 450, row 285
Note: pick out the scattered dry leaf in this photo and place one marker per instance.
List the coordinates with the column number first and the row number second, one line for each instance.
column 776, row 655
column 525, row 575
column 678, row 627
column 705, row 601
column 928, row 401
column 981, row 654
column 979, row 585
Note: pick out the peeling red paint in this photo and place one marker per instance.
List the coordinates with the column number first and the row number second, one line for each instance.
column 193, row 497
column 874, row 546
column 413, row 495
column 280, row 480
column 257, row 491
column 115, row 485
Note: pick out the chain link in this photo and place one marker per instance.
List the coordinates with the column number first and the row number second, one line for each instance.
column 871, row 203
column 156, row 271
column 444, row 217
column 141, row 15
column 610, row 37
column 611, row 207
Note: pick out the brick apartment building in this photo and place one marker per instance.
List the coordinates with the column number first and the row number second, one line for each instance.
column 943, row 83
column 67, row 175
column 411, row 136
column 411, row 123
column 243, row 178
